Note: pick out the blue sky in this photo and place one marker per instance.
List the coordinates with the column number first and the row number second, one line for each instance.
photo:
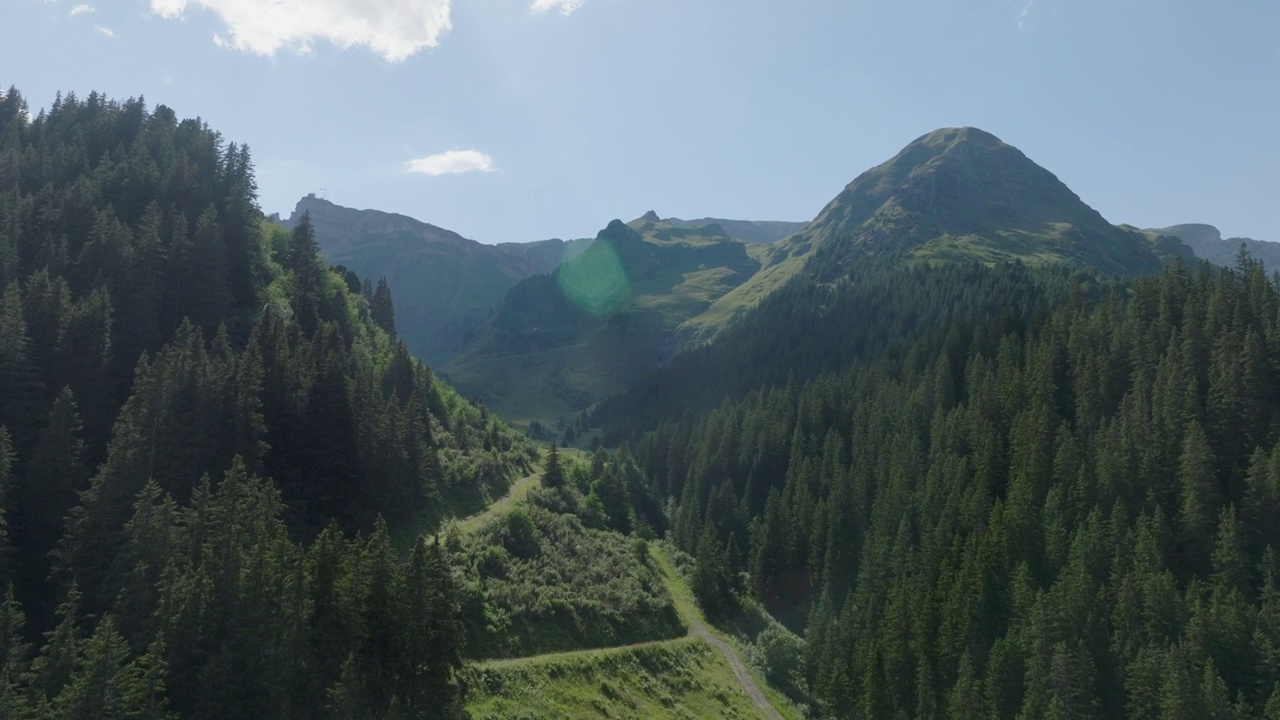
column 548, row 118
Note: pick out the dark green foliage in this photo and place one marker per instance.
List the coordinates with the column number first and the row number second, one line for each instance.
column 541, row 580
column 553, row 472
column 382, row 309
column 188, row 396
column 711, row 583
column 1060, row 504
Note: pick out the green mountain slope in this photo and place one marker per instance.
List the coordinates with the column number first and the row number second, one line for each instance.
column 559, row 342
column 955, row 194
column 1208, row 244
column 444, row 284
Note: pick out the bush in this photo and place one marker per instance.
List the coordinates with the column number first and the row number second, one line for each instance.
column 779, row 655
column 521, row 537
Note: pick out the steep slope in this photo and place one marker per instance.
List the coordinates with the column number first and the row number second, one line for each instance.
column 1207, row 243
column 954, row 194
column 444, row 284
column 559, row 342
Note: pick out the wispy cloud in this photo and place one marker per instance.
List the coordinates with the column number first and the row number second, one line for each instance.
column 82, row 9
column 104, row 31
column 394, row 29
column 1026, row 12
column 564, row 6
column 453, row 162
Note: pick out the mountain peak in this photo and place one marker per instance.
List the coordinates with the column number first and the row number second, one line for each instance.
column 953, row 136
column 651, row 216
column 963, row 193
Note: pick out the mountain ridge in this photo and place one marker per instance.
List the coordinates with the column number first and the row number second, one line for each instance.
column 1207, row 243
column 562, row 340
column 952, row 194
column 443, row 283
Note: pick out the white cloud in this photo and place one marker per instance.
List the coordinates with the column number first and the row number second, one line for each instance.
column 564, row 6
column 82, row 9
column 104, row 31
column 452, row 163
column 1026, row 12
column 394, row 29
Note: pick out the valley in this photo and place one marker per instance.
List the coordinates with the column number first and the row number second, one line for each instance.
column 956, row 447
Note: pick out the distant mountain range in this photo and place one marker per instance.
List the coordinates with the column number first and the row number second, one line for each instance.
column 1208, row 244
column 541, row 330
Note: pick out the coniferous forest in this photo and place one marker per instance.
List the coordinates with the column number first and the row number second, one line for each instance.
column 214, row 452
column 993, row 492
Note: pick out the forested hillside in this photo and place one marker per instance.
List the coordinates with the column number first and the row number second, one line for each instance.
column 196, row 414
column 1025, row 494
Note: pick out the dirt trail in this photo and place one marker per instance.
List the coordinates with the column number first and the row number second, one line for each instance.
column 748, row 683
column 518, row 490
column 692, row 617
column 680, row 594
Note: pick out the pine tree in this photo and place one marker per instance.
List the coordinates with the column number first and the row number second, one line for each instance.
column 14, row 659
column 382, row 308
column 19, row 382
column 6, row 494
column 1200, row 495
column 49, row 486
column 305, row 264
column 553, row 473
column 107, row 685
column 710, row 582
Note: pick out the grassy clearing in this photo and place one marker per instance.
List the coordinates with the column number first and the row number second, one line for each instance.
column 678, row 679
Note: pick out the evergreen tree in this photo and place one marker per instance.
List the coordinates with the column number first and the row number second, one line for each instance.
column 382, row 309
column 553, row 473
column 303, row 261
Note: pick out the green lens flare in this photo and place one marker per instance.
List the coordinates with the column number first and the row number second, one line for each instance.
column 595, row 280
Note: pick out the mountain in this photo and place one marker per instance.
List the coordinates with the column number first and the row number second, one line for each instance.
column 749, row 231
column 444, row 284
column 589, row 329
column 1208, row 244
column 952, row 195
